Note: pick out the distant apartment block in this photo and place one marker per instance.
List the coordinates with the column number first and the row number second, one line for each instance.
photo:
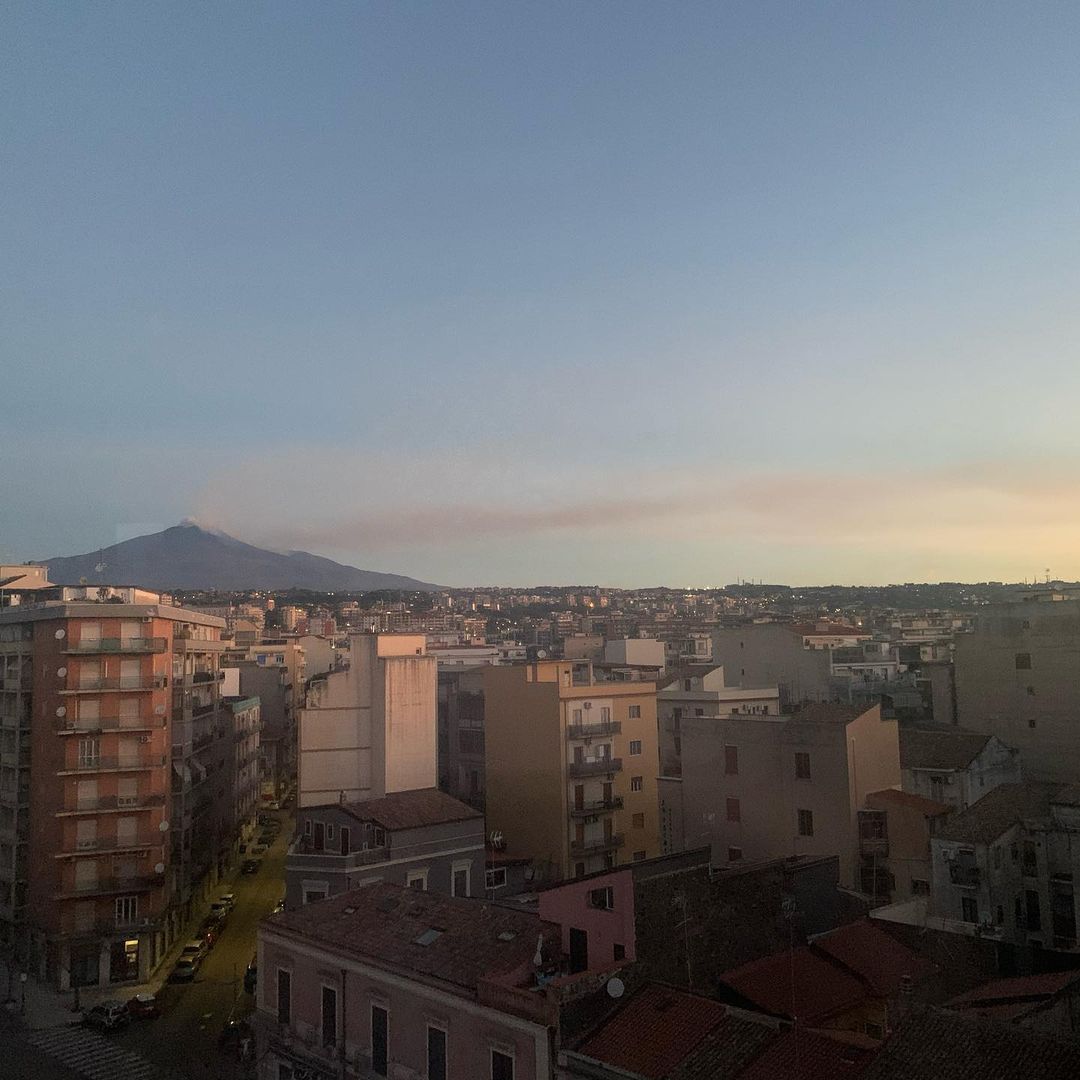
column 571, row 766
column 108, row 714
column 461, row 734
column 1018, row 677
column 370, row 729
column 954, row 766
column 763, row 787
column 423, row 839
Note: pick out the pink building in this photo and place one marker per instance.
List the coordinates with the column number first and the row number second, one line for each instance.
column 395, row 982
column 596, row 917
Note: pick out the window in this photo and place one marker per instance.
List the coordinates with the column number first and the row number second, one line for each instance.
column 1031, row 721
column 380, row 1032
column 579, row 869
column 502, row 1066
column 417, row 879
column 495, row 879
column 605, row 714
column 436, row 1054
column 636, row 783
column 307, row 826
column 329, row 832
column 635, row 712
column 635, row 747
column 686, row 685
column 699, row 712
column 731, row 760
column 284, row 997
column 969, row 909
column 329, row 1016
column 638, row 821
column 603, row 898
column 734, row 810
column 577, row 716
column 734, row 854
column 126, row 909
column 1023, row 661
column 314, row 893
column 802, row 766
column 1031, row 906
column 619, row 951
column 920, row 887
column 459, row 879
column 639, row 856
column 806, row 822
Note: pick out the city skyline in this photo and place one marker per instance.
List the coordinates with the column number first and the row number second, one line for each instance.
column 558, row 294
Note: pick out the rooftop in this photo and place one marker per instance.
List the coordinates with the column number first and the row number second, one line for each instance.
column 807, row 1054
column 1007, row 999
column 906, row 799
column 828, row 713
column 456, row 940
column 939, row 747
column 874, row 955
column 410, row 809
column 1004, row 806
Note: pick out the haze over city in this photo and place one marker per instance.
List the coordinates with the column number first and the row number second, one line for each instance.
column 553, row 292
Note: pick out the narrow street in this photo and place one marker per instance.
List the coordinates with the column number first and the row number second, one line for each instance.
column 185, row 1037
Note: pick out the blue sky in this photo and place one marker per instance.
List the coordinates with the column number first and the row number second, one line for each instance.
column 618, row 293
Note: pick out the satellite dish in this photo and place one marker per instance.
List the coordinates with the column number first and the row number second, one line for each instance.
column 61, row 633
column 62, row 711
column 100, row 566
column 159, row 868
column 163, row 826
column 61, row 672
column 616, row 987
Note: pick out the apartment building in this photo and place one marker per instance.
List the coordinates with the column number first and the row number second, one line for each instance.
column 461, row 734
column 370, row 729
column 571, row 766
column 103, row 705
column 243, row 735
column 953, row 766
column 703, row 691
column 386, row 981
column 1018, row 677
column 424, row 839
column 763, row 787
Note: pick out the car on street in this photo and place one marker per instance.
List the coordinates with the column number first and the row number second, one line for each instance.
column 196, row 949
column 219, row 911
column 251, row 975
column 108, row 1016
column 250, row 866
column 143, row 1007
column 184, row 971
column 227, row 900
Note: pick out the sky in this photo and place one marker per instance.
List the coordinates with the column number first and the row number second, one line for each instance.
column 614, row 293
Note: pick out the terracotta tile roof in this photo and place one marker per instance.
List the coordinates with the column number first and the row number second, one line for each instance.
column 660, row 1027
column 727, row 1049
column 871, row 953
column 381, row 923
column 801, row 1054
column 939, row 747
column 412, row 809
column 983, row 822
column 821, row 988
column 929, row 807
column 1008, row 998
column 933, row 1044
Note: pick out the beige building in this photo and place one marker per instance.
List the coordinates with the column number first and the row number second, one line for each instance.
column 370, row 729
column 764, row 787
column 1018, row 677
column 571, row 766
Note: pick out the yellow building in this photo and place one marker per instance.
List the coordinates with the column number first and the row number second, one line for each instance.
column 571, row 766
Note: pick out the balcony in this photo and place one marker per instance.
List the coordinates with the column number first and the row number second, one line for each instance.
column 117, row 645
column 111, row 886
column 67, row 726
column 598, row 847
column 111, row 843
column 302, row 853
column 579, row 770
column 114, row 764
column 117, row 682
column 113, row 803
column 964, row 875
column 593, row 731
column 111, row 927
column 597, row 806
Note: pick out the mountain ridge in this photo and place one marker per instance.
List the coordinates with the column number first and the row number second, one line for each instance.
column 188, row 556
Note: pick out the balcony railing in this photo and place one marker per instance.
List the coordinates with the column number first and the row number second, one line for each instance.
column 593, row 731
column 595, row 847
column 113, row 802
column 67, row 725
column 106, row 926
column 114, row 764
column 116, row 682
column 964, row 875
column 598, row 767
column 597, row 806
column 118, row 645
column 302, row 849
column 874, row 845
column 111, row 843
column 107, row 886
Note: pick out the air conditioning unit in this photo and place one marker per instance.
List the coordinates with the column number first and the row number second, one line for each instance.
column 85, row 845
column 127, row 800
column 144, row 738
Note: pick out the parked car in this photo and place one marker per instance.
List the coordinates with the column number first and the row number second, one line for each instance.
column 143, row 1007
column 108, row 1016
column 227, row 900
column 251, row 975
column 196, row 949
column 184, row 971
column 250, row 866
column 219, row 912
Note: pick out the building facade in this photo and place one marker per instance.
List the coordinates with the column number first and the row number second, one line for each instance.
column 571, row 766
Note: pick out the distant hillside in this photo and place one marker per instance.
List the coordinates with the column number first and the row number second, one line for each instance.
column 188, row 557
